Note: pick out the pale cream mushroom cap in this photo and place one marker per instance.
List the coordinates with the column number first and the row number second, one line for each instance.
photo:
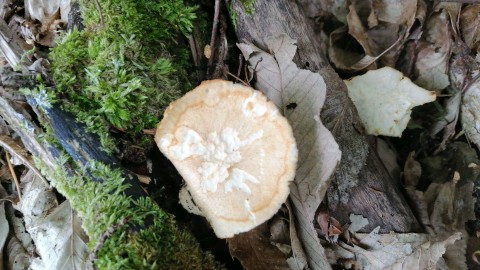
column 235, row 151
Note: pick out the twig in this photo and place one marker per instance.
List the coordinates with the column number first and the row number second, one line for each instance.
column 240, row 65
column 150, row 131
column 253, row 71
column 6, row 200
column 11, row 146
column 103, row 238
column 214, row 32
column 238, row 79
column 99, row 8
column 12, row 171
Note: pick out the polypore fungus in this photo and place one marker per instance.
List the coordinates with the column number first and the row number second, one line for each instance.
column 235, row 151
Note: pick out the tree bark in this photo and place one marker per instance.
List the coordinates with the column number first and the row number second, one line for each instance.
column 361, row 184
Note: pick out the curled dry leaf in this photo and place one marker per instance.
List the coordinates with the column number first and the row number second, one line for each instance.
column 378, row 27
column 470, row 113
column 248, row 247
column 300, row 94
column 18, row 258
column 396, row 12
column 384, row 99
column 448, row 120
column 433, row 53
column 470, row 26
column 394, row 251
column 412, row 171
column 329, row 226
column 280, row 234
column 444, row 208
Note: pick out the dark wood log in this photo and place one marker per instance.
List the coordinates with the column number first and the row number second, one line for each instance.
column 82, row 146
column 361, row 184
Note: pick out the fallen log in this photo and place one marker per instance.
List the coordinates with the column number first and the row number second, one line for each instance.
column 361, row 170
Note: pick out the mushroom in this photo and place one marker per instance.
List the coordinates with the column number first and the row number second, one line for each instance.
column 235, row 151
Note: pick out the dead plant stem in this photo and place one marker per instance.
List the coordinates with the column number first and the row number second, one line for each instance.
column 14, row 176
column 214, row 32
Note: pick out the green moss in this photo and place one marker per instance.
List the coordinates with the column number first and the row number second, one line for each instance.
column 248, row 5
column 249, row 10
column 126, row 67
column 160, row 245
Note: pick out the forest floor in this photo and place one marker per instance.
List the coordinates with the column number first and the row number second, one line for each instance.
column 420, row 117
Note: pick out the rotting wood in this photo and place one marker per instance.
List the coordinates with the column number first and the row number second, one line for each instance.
column 10, row 48
column 82, row 146
column 385, row 207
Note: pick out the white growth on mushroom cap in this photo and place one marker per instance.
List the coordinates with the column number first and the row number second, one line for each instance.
column 235, row 151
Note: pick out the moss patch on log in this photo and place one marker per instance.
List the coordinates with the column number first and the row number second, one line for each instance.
column 134, row 245
column 126, row 66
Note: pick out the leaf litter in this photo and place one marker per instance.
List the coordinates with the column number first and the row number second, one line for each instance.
column 432, row 69
column 284, row 83
column 382, row 29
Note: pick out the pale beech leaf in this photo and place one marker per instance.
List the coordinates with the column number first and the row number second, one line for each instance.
column 300, row 94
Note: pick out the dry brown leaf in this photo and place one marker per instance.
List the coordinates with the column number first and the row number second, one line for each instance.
column 329, row 226
column 324, row 9
column 412, row 171
column 470, row 26
column 396, row 12
column 444, row 208
column 300, row 94
column 470, row 113
column 395, row 251
column 450, row 206
column 433, row 53
column 280, row 234
column 299, row 260
column 378, row 28
column 448, row 121
column 346, row 58
column 18, row 258
column 255, row 251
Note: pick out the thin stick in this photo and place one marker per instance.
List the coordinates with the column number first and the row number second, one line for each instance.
column 12, row 171
column 238, row 79
column 103, row 238
column 214, row 32
column 240, row 65
column 99, row 8
column 150, row 131
column 7, row 200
